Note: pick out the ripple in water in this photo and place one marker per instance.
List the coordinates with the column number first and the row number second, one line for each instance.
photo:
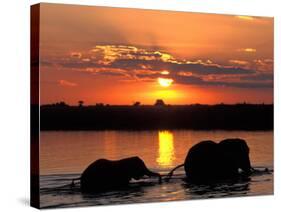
column 56, row 191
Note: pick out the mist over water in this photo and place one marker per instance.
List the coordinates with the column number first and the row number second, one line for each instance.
column 64, row 155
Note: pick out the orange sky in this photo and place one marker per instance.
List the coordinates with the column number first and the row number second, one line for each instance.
column 116, row 56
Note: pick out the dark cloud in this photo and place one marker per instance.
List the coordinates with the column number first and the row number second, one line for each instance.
column 195, row 68
column 198, row 80
column 81, row 64
column 110, row 73
column 192, row 80
column 258, row 77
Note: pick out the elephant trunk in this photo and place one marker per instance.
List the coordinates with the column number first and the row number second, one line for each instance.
column 246, row 166
column 154, row 174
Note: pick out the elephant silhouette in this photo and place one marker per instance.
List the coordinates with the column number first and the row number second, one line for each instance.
column 208, row 161
column 104, row 175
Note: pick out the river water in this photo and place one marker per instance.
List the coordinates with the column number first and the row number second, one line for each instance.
column 65, row 154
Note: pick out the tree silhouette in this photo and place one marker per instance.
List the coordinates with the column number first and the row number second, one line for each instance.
column 159, row 102
column 60, row 104
column 99, row 104
column 80, row 103
column 136, row 104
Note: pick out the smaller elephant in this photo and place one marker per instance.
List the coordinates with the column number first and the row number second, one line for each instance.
column 104, row 175
column 208, row 161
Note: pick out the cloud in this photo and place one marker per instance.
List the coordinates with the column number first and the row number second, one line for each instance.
column 254, row 19
column 76, row 55
column 265, row 65
column 66, row 83
column 134, row 63
column 132, row 58
column 192, row 80
column 86, row 59
column 258, row 77
column 246, row 18
column 106, row 54
column 259, row 65
column 105, row 71
column 180, row 66
column 247, row 50
column 239, row 62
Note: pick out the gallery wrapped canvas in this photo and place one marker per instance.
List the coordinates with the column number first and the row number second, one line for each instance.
column 138, row 106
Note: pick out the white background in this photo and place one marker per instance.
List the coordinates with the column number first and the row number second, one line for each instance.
column 14, row 102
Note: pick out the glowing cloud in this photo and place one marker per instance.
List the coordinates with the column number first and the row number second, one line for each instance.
column 239, row 62
column 249, row 50
column 66, row 83
column 76, row 55
column 247, row 18
column 165, row 72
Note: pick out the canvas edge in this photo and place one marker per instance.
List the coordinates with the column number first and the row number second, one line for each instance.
column 34, row 105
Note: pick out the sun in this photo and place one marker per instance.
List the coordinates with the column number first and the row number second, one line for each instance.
column 164, row 82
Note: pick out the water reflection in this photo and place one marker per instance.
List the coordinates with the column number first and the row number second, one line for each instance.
column 226, row 189
column 63, row 153
column 166, row 151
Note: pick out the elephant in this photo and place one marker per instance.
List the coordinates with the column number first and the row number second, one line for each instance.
column 104, row 175
column 208, row 161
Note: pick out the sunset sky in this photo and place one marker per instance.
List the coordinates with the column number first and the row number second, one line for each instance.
column 120, row 56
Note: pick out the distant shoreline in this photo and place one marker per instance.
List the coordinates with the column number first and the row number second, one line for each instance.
column 251, row 117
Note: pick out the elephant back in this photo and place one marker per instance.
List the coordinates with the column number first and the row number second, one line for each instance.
column 205, row 162
column 102, row 175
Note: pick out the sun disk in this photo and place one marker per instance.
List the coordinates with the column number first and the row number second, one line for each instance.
column 164, row 82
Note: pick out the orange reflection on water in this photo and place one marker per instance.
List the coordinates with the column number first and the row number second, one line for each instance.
column 166, row 151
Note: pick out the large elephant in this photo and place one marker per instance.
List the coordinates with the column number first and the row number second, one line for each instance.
column 208, row 161
column 104, row 175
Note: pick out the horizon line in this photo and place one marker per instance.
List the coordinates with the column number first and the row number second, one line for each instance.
column 165, row 104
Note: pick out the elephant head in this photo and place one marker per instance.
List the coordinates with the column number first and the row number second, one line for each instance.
column 238, row 150
column 138, row 169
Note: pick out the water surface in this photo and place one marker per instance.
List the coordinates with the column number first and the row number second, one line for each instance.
column 64, row 155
